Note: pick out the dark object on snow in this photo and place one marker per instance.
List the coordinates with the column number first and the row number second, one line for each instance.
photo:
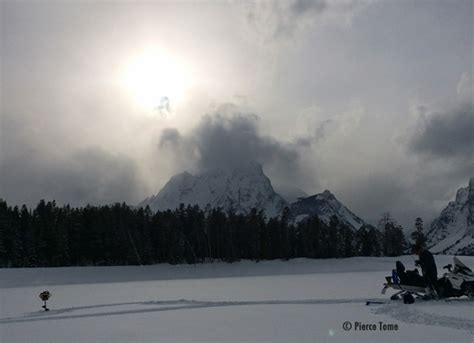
column 457, row 282
column 410, row 284
column 395, row 297
column 370, row 302
column 428, row 266
column 408, row 299
column 409, row 277
column 400, row 270
column 45, row 295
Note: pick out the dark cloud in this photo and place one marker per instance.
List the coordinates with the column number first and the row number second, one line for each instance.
column 446, row 135
column 229, row 138
column 170, row 136
column 223, row 140
column 423, row 195
column 58, row 101
column 318, row 135
column 282, row 18
column 300, row 7
column 38, row 163
column 373, row 194
column 88, row 176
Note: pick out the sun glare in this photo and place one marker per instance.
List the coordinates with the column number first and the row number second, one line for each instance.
column 156, row 80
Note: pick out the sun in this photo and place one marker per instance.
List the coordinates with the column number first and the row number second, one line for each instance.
column 156, row 80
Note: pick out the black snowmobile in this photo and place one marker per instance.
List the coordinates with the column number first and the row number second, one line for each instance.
column 456, row 282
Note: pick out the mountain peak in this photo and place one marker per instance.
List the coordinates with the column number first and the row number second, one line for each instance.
column 327, row 194
column 324, row 205
column 453, row 231
column 181, row 176
column 231, row 188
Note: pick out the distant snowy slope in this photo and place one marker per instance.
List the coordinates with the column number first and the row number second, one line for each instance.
column 244, row 188
column 240, row 189
column 453, row 231
column 324, row 205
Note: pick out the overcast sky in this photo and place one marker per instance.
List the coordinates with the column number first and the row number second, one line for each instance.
column 104, row 101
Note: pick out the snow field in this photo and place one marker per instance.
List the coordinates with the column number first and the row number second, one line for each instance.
column 272, row 301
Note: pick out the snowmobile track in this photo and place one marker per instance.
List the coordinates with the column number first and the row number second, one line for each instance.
column 169, row 305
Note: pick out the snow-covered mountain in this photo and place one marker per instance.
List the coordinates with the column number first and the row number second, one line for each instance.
column 453, row 231
column 240, row 189
column 324, row 205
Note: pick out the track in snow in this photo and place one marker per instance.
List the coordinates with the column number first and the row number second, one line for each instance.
column 167, row 305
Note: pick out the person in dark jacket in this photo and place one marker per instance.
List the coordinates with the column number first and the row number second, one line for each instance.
column 428, row 267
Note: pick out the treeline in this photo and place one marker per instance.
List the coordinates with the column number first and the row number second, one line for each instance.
column 50, row 236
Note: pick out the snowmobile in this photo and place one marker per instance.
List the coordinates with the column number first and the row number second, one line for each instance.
column 456, row 282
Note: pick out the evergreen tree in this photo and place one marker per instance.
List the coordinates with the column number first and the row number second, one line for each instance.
column 367, row 241
column 346, row 246
column 50, row 235
column 418, row 235
column 394, row 242
column 3, row 249
column 285, row 235
column 386, row 219
column 401, row 243
column 375, row 238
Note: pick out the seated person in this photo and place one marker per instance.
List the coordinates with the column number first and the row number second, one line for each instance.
column 408, row 277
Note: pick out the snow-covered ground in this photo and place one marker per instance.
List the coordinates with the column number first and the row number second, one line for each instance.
column 272, row 301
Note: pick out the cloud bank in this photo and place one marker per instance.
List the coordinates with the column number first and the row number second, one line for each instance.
column 230, row 137
column 276, row 20
column 446, row 135
column 333, row 83
column 88, row 176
